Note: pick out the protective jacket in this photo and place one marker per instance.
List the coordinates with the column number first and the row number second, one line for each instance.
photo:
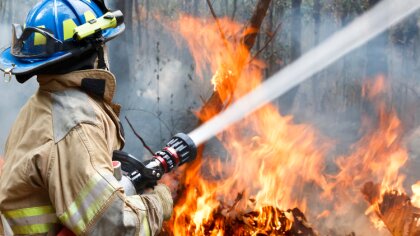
column 58, row 168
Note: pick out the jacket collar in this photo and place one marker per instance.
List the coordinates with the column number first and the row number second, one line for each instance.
column 98, row 82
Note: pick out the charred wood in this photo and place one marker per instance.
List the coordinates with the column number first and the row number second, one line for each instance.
column 394, row 209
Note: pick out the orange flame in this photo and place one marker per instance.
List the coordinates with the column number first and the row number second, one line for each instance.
column 416, row 195
column 379, row 155
column 270, row 160
column 377, row 158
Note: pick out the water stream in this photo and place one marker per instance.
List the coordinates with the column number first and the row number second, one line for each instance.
column 384, row 15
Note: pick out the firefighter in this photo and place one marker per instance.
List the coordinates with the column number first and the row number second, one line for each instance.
column 58, row 172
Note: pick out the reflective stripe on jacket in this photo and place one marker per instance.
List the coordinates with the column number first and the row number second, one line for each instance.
column 58, row 163
column 32, row 220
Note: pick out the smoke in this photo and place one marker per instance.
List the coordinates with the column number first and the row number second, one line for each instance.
column 338, row 45
column 12, row 94
column 332, row 103
column 159, row 91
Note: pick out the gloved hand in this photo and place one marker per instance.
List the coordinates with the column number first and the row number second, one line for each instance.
column 165, row 197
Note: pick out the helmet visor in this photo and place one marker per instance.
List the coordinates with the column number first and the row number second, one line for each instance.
column 33, row 42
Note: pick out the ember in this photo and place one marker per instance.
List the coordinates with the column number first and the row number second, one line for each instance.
column 267, row 221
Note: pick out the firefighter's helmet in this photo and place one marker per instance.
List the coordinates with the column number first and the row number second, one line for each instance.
column 57, row 31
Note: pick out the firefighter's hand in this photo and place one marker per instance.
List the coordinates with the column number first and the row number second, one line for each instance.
column 166, row 200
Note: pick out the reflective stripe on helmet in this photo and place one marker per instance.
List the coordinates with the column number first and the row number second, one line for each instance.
column 87, row 204
column 68, row 28
column 40, row 39
column 32, row 220
column 89, row 16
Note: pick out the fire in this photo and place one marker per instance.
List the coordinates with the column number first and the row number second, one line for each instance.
column 416, row 194
column 379, row 155
column 270, row 160
column 266, row 163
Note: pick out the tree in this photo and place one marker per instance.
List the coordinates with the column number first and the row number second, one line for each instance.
column 286, row 101
column 377, row 58
column 317, row 19
column 215, row 103
column 123, row 49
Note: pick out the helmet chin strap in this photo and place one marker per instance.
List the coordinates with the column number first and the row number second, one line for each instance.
column 101, row 58
column 101, row 51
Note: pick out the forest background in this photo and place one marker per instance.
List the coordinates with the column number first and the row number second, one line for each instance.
column 159, row 89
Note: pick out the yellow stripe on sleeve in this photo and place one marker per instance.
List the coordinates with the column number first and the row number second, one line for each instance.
column 26, row 212
column 32, row 229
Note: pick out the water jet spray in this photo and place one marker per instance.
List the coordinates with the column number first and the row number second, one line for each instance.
column 384, row 15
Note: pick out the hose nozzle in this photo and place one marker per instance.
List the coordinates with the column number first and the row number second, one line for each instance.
column 179, row 150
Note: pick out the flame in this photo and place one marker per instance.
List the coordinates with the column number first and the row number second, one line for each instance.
column 415, row 200
column 270, row 160
column 379, row 155
column 267, row 162
column 374, row 162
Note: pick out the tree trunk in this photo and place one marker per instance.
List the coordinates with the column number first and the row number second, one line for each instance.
column 120, row 62
column 317, row 20
column 196, row 2
column 276, row 57
column 286, row 101
column 215, row 103
column 235, row 4
column 377, row 58
column 296, row 29
column 256, row 21
column 317, row 27
column 226, row 7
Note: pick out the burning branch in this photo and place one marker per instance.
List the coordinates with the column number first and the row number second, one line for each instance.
column 207, row 205
column 271, row 221
column 216, row 103
column 394, row 209
column 267, row 221
column 255, row 23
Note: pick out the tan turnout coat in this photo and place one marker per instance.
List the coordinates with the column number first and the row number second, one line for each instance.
column 58, row 167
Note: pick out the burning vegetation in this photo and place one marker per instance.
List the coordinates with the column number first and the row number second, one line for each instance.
column 264, row 174
column 268, row 175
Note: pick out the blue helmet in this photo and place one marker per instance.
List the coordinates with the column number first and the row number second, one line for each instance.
column 56, row 31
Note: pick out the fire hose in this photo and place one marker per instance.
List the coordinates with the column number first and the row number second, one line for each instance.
column 145, row 174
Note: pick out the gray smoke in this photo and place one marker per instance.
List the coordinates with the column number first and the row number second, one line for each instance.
column 12, row 94
column 159, row 90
